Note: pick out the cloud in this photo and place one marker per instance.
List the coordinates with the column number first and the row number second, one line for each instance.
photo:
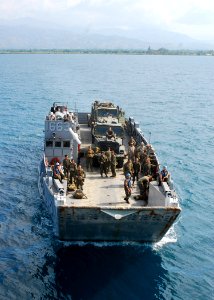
column 181, row 15
column 10, row 9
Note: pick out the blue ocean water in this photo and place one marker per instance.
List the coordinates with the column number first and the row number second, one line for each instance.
column 173, row 98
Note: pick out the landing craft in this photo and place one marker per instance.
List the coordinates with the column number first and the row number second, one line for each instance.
column 99, row 212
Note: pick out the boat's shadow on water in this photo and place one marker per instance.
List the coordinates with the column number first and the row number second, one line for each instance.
column 116, row 272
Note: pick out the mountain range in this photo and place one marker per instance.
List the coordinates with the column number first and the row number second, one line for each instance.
column 39, row 36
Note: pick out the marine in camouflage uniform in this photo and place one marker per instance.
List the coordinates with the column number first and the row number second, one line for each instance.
column 66, row 164
column 80, row 177
column 128, row 167
column 72, row 170
column 132, row 141
column 89, row 159
column 147, row 167
column 113, row 164
column 137, row 170
column 103, row 164
column 108, row 156
column 143, row 184
column 127, row 187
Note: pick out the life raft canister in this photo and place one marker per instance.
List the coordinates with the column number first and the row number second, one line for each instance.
column 54, row 161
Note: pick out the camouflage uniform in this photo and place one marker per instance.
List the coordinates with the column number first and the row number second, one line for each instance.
column 79, row 178
column 103, row 164
column 66, row 163
column 108, row 156
column 113, row 164
column 128, row 167
column 143, row 184
column 72, row 170
column 132, row 142
column 127, row 188
column 131, row 152
column 89, row 159
column 137, row 169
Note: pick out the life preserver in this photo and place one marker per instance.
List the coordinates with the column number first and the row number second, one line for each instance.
column 54, row 161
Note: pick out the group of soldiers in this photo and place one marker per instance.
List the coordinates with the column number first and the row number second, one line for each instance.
column 71, row 171
column 106, row 159
column 138, row 167
column 139, row 162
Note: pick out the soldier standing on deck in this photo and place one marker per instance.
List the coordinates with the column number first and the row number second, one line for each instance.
column 128, row 167
column 137, row 169
column 66, row 163
column 108, row 156
column 89, row 159
column 113, row 164
column 73, row 170
column 80, row 177
column 127, row 187
column 103, row 164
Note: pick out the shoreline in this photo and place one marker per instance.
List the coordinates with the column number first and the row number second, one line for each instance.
column 161, row 51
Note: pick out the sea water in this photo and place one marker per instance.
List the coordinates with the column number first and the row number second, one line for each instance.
column 173, row 99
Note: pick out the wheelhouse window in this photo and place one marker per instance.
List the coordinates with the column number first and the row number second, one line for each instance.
column 49, row 144
column 66, row 144
column 58, row 144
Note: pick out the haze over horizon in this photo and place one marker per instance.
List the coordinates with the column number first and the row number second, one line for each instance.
column 175, row 23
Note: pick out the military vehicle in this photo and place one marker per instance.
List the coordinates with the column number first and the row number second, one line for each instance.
column 101, row 140
column 105, row 111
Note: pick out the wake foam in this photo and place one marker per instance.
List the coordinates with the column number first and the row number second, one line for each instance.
column 170, row 237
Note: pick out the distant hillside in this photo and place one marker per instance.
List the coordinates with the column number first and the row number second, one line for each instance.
column 32, row 37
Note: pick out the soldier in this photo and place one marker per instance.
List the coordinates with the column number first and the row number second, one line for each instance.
column 140, row 150
column 143, row 184
column 149, row 149
column 127, row 187
column 73, row 170
column 89, row 159
column 143, row 157
column 96, row 157
column 131, row 152
column 58, row 173
column 137, row 170
column 128, row 167
column 80, row 177
column 110, row 134
column 132, row 141
column 113, row 164
column 108, row 156
column 103, row 164
column 164, row 175
column 146, row 169
column 66, row 163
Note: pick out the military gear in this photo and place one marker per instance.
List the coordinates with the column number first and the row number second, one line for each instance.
column 78, row 194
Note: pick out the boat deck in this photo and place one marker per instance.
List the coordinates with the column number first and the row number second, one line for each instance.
column 103, row 191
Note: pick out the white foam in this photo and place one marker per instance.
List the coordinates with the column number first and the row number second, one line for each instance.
column 170, row 237
column 103, row 244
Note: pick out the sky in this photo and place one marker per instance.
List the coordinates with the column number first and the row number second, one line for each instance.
column 194, row 18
